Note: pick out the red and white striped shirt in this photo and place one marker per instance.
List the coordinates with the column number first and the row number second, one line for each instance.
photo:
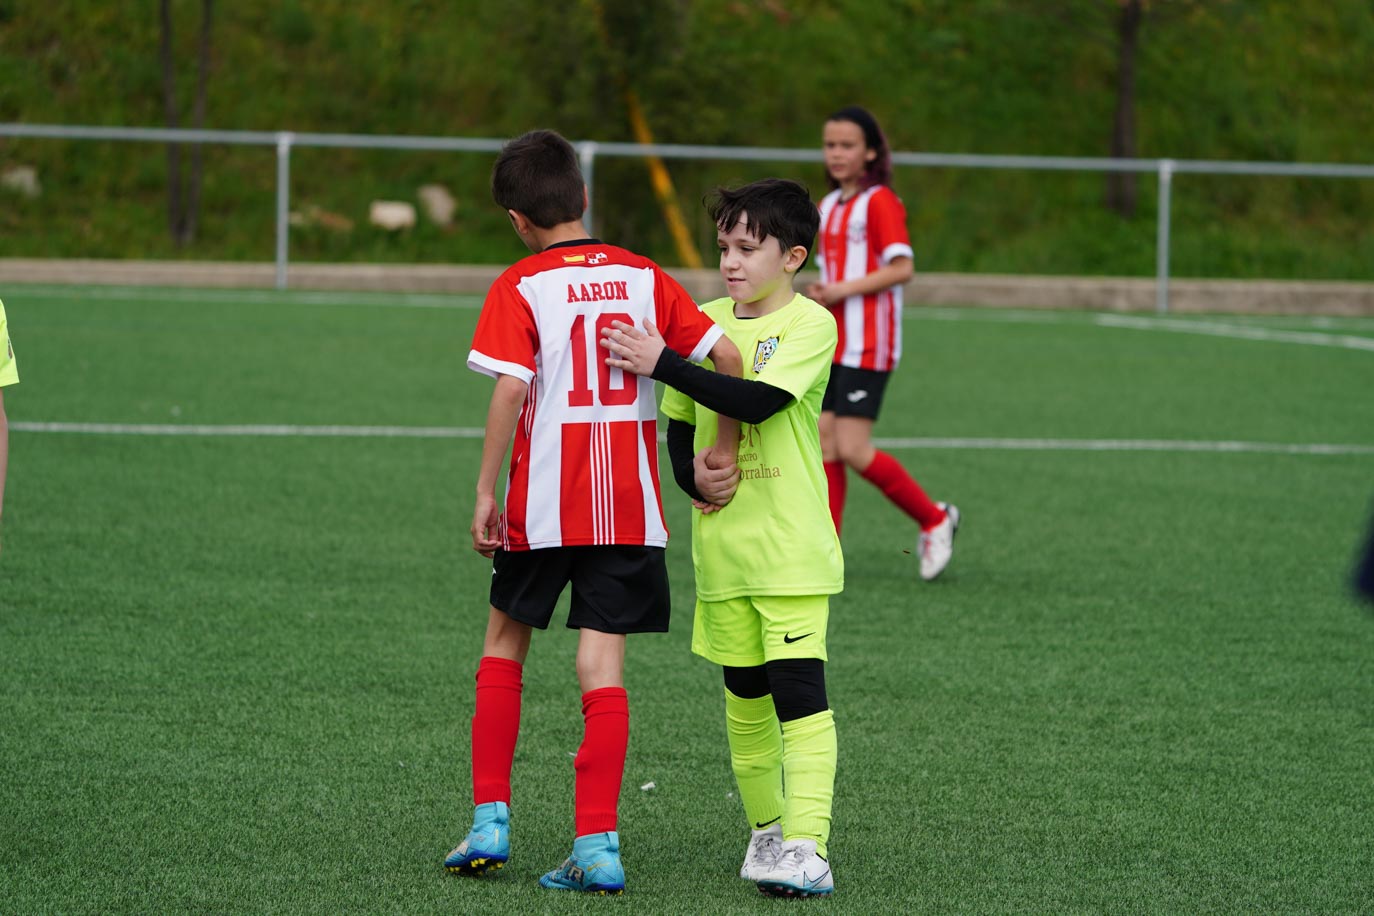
column 584, row 466
column 858, row 236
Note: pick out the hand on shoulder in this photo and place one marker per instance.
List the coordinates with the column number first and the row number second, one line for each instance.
column 634, row 350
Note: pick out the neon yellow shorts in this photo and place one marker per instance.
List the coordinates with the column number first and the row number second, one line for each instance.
column 744, row 632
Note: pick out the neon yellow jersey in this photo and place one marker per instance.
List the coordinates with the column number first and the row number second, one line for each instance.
column 9, row 369
column 776, row 536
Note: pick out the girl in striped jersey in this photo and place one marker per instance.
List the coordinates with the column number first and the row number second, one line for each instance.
column 865, row 256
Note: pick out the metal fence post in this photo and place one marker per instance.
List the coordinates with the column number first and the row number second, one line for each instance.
column 1166, row 180
column 588, row 151
column 284, row 139
column 586, row 154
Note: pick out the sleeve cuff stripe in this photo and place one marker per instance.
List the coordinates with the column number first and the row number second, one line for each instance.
column 484, row 364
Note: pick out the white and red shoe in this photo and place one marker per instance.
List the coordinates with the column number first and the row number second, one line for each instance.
column 936, row 546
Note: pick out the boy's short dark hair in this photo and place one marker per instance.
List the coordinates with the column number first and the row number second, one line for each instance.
column 537, row 175
column 777, row 208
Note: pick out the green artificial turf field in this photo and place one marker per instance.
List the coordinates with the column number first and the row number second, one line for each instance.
column 237, row 669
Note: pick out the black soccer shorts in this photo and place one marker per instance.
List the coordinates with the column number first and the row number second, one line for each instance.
column 616, row 588
column 854, row 392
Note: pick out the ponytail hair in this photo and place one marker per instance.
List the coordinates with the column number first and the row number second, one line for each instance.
column 879, row 171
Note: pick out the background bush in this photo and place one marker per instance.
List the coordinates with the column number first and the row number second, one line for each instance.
column 1216, row 80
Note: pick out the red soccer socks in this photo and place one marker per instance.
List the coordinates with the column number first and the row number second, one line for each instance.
column 888, row 475
column 837, row 479
column 600, row 761
column 495, row 725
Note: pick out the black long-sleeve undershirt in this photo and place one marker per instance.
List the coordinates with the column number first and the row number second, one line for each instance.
column 747, row 400
column 681, row 451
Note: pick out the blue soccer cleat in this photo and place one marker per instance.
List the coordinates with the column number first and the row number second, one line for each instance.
column 593, row 868
column 487, row 845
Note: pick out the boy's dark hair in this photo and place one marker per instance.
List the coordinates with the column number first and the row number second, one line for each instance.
column 777, row 208
column 879, row 171
column 537, row 175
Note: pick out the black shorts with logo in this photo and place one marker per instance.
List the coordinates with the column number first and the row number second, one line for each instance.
column 616, row 588
column 854, row 392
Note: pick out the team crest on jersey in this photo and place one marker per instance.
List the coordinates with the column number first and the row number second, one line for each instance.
column 764, row 352
column 596, row 257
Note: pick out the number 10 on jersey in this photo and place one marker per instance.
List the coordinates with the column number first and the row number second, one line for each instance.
column 581, row 395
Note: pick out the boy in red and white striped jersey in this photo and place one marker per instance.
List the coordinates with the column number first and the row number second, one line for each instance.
column 865, row 256
column 582, row 502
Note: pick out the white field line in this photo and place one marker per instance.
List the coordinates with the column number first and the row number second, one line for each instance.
column 1239, row 327
column 475, row 432
column 1237, row 331
column 1316, row 322
column 1129, row 445
column 996, row 315
column 472, row 301
column 253, row 296
column 281, row 430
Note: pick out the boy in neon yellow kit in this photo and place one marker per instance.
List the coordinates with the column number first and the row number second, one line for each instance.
column 767, row 562
column 9, row 375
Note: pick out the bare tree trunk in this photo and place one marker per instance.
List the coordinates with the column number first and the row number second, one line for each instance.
column 169, row 104
column 198, row 121
column 1121, row 186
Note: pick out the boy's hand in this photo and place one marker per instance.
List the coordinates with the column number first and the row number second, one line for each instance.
column 485, row 518
column 718, row 458
column 825, row 293
column 716, row 484
column 635, row 351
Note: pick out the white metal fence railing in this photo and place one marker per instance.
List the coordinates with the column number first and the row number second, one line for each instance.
column 589, row 150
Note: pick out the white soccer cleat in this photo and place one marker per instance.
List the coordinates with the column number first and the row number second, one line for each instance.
column 799, row 872
column 936, row 546
column 764, row 848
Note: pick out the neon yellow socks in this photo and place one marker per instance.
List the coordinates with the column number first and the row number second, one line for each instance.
column 756, row 756
column 809, row 755
column 761, row 752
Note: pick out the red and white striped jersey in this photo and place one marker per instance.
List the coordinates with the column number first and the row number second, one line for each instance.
column 584, row 465
column 858, row 236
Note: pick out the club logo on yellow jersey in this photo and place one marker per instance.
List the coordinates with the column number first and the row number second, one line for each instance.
column 764, row 352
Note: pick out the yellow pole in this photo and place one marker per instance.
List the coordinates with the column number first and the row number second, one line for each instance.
column 663, row 185
column 658, row 172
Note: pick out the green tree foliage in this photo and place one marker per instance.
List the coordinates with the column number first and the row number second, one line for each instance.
column 1215, row 80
